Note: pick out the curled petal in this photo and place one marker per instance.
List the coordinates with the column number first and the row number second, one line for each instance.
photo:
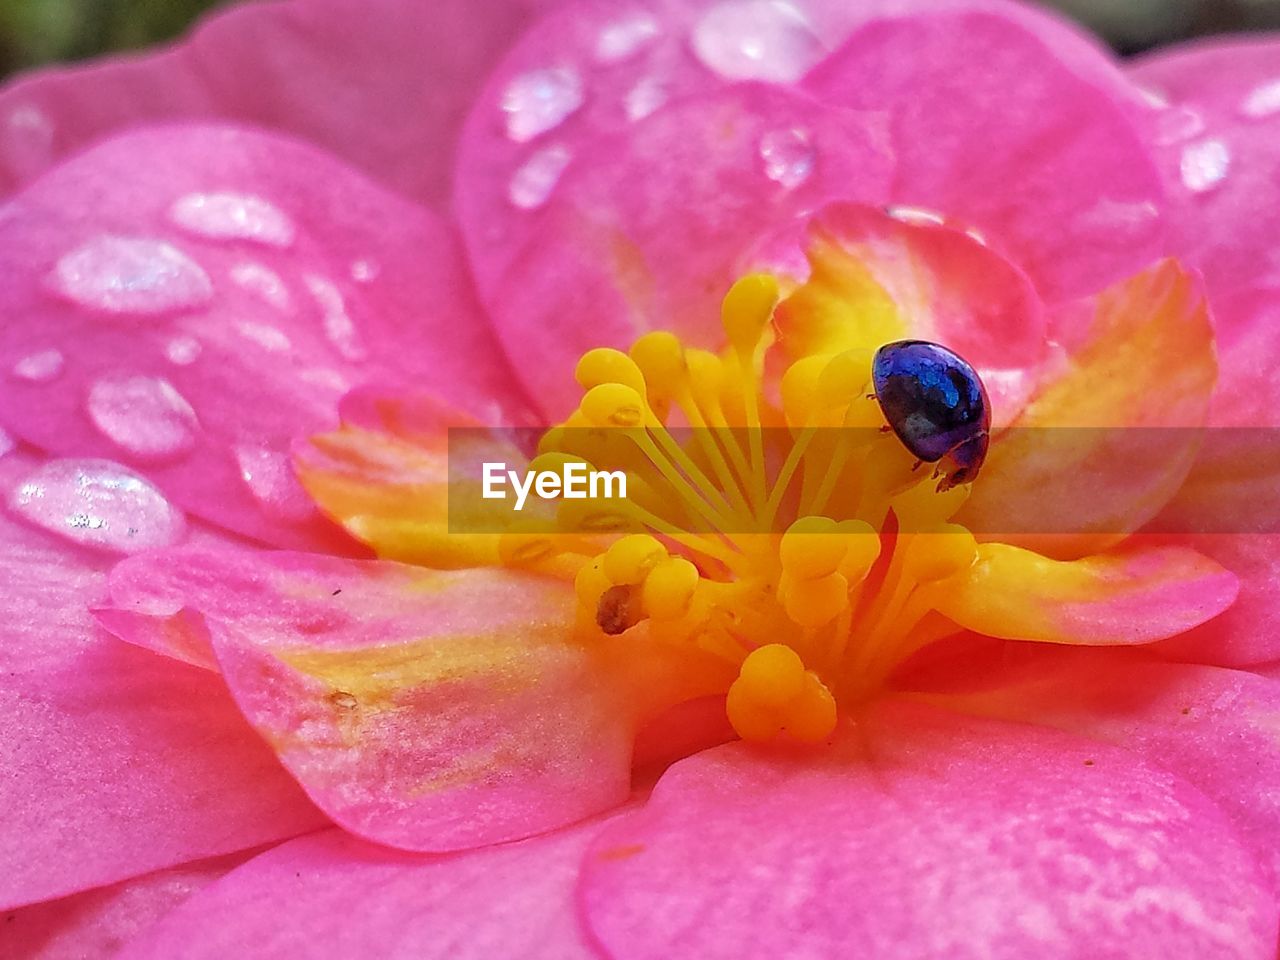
column 926, row 834
column 1070, row 191
column 1120, row 421
column 649, row 228
column 1129, row 596
column 426, row 710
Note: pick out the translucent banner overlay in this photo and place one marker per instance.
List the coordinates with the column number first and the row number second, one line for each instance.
column 1035, row 481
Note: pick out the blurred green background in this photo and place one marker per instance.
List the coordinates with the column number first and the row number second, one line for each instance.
column 33, row 32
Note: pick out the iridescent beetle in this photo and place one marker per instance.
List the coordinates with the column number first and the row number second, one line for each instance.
column 935, row 402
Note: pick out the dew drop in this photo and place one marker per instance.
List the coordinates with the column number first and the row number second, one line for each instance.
column 757, row 40
column 183, row 351
column 97, row 503
column 532, row 183
column 787, row 156
column 338, row 325
column 30, row 137
column 540, row 100
column 264, row 283
column 644, row 98
column 1177, row 124
column 7, row 443
column 131, row 275
column 625, row 37
column 143, row 416
column 365, row 270
column 269, row 338
column 270, row 478
column 1263, row 100
column 233, row 216
column 916, row 216
column 40, row 367
column 1205, row 165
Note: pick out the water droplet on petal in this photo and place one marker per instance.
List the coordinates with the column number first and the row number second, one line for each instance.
column 540, row 100
column 338, row 325
column 40, row 367
column 644, row 98
column 533, row 182
column 270, row 478
column 365, row 271
column 269, row 338
column 1263, row 100
column 131, row 275
column 787, row 156
column 1205, row 165
column 97, row 503
column 144, row 416
column 233, row 216
column 916, row 216
column 183, row 350
column 757, row 40
column 1177, row 124
column 264, row 283
column 29, row 137
column 7, row 443
column 625, row 36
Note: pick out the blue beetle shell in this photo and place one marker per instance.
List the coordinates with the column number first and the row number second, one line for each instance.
column 936, row 403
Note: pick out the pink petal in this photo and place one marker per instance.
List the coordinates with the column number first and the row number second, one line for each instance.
column 385, row 85
column 95, row 924
column 333, row 896
column 1009, row 126
column 649, row 228
column 427, row 710
column 1214, row 728
column 1218, row 146
column 205, row 313
column 116, row 762
column 1136, row 594
column 927, row 834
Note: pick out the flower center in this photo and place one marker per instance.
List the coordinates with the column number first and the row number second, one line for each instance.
column 772, row 517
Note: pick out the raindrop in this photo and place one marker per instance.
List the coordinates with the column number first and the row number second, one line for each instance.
column 338, row 325
column 143, row 416
column 131, row 275
column 757, row 40
column 40, row 367
column 270, row 478
column 916, row 216
column 233, row 216
column 30, row 137
column 365, row 271
column 1263, row 100
column 264, row 283
column 540, row 100
column 264, row 335
column 533, row 182
column 644, row 98
column 625, row 37
column 97, row 503
column 183, row 350
column 1177, row 124
column 7, row 443
column 1205, row 165
column 787, row 156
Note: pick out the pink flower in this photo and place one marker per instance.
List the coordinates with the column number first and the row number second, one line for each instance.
column 232, row 732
